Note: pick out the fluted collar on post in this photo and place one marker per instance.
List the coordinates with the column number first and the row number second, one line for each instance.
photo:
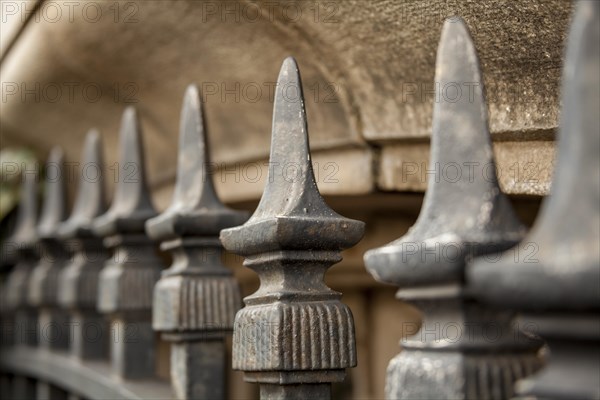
column 306, row 334
column 131, row 205
column 464, row 212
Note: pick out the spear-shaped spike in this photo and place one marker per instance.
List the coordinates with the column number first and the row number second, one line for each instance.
column 290, row 241
column 291, row 205
column 90, row 201
column 464, row 209
column 291, row 181
column 54, row 209
column 464, row 214
column 196, row 209
column 567, row 231
column 25, row 229
column 132, row 204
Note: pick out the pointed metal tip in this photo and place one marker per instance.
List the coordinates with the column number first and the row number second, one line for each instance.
column 291, row 205
column 89, row 202
column 456, row 48
column 192, row 93
column 25, row 228
column 454, row 23
column 93, row 135
column 465, row 210
column 289, row 140
column 195, row 209
column 54, row 207
column 132, row 204
column 289, row 63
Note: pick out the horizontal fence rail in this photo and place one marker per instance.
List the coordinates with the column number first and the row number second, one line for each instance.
column 88, row 299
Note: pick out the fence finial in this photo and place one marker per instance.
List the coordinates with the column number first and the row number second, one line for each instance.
column 78, row 284
column 558, row 285
column 43, row 284
column 54, row 209
column 128, row 278
column 132, row 204
column 464, row 214
column 90, row 202
column 196, row 299
column 195, row 210
column 24, row 240
column 25, row 228
column 304, row 335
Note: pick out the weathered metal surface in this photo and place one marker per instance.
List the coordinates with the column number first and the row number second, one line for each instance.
column 196, row 299
column 294, row 331
column 463, row 349
column 558, row 289
column 128, row 277
column 91, row 379
column 78, row 283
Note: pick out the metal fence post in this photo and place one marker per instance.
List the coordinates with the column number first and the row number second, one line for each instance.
column 53, row 322
column 196, row 299
column 23, row 316
column 128, row 277
column 78, row 283
column 294, row 337
column 43, row 285
column 463, row 349
column 555, row 281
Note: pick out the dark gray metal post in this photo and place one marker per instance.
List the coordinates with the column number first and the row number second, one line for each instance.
column 557, row 288
column 53, row 324
column 295, row 337
column 23, row 316
column 128, row 277
column 196, row 299
column 25, row 241
column 78, row 284
column 463, row 349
